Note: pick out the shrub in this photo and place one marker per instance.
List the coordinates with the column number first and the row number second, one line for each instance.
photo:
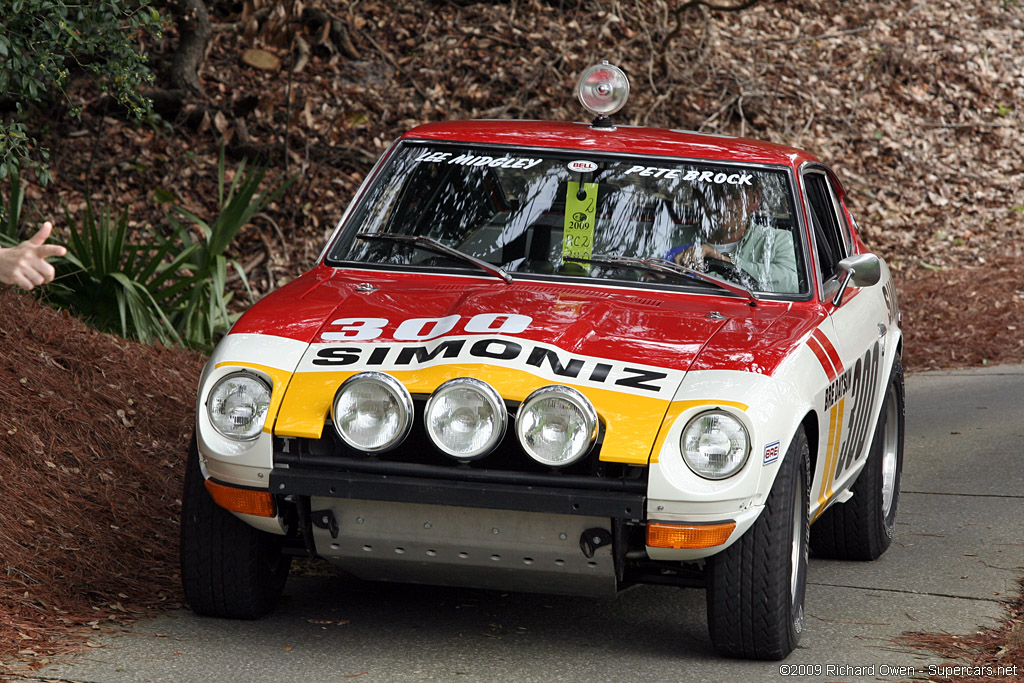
column 170, row 288
column 204, row 313
column 43, row 41
column 120, row 286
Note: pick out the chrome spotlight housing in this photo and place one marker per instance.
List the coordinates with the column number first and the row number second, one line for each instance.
column 603, row 90
column 556, row 425
column 372, row 412
column 465, row 418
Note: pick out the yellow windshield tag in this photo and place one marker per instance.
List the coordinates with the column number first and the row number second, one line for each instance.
column 578, row 230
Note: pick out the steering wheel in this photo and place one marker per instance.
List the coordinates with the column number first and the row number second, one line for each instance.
column 731, row 271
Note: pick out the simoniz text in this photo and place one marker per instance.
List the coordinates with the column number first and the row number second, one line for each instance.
column 500, row 351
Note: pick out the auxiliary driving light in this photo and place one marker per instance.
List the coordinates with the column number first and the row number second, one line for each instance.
column 603, row 90
column 556, row 425
column 372, row 411
column 465, row 418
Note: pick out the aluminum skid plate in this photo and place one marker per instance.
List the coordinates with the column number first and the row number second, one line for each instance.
column 460, row 546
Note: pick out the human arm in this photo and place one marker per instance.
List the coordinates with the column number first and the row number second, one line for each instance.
column 770, row 256
column 25, row 265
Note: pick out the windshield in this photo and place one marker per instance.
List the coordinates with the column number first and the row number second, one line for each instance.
column 546, row 212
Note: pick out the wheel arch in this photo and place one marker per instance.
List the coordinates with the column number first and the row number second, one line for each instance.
column 812, row 432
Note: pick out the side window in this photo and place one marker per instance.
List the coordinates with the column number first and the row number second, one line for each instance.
column 825, row 224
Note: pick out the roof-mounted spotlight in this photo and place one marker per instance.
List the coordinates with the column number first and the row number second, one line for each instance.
column 603, row 90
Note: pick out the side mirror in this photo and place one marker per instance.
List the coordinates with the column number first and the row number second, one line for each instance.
column 863, row 270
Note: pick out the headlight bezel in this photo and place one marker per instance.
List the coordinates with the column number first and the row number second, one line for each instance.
column 211, row 399
column 397, row 390
column 574, row 397
column 490, row 396
column 735, row 466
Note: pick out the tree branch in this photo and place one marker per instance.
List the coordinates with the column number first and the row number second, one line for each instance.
column 194, row 32
column 677, row 29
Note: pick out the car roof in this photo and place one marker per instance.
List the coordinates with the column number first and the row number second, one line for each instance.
column 621, row 139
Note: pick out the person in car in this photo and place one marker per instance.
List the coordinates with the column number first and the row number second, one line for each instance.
column 732, row 231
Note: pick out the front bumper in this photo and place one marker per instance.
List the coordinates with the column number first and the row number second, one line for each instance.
column 432, row 485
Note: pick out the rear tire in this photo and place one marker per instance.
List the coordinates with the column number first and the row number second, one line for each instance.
column 862, row 528
column 756, row 586
column 228, row 568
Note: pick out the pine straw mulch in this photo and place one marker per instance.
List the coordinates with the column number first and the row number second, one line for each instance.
column 92, row 431
column 987, row 650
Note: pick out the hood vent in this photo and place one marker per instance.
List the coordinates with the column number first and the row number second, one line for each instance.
column 546, row 289
column 640, row 301
column 549, row 289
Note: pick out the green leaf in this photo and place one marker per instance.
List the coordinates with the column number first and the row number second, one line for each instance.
column 163, row 196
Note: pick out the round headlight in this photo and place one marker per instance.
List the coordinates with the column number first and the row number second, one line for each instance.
column 237, row 405
column 556, row 425
column 372, row 411
column 715, row 445
column 603, row 89
column 465, row 418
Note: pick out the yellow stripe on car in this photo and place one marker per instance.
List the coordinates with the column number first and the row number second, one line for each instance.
column 835, row 429
column 629, row 420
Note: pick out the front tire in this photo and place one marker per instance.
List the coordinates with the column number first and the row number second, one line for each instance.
column 862, row 528
column 228, row 568
column 756, row 586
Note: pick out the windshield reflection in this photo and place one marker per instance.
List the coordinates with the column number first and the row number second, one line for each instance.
column 527, row 211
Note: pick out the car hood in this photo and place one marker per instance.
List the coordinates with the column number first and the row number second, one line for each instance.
column 627, row 350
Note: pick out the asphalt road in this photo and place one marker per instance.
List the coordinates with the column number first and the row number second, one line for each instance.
column 959, row 548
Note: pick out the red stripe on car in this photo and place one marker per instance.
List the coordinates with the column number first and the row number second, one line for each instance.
column 819, row 351
column 830, row 350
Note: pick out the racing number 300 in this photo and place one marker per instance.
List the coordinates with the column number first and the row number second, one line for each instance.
column 862, row 392
column 421, row 329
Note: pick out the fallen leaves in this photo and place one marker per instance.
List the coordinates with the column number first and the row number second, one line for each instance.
column 261, row 59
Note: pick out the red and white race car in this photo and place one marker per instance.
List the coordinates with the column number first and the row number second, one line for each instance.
column 562, row 357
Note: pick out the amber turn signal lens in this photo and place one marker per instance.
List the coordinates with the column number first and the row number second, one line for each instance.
column 691, row 536
column 246, row 501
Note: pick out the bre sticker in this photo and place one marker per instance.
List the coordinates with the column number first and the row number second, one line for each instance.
column 771, row 453
column 582, row 166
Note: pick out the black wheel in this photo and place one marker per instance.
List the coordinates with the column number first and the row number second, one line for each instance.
column 756, row 586
column 228, row 568
column 862, row 528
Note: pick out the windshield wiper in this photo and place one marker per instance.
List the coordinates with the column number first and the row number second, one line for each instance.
column 430, row 244
column 657, row 265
